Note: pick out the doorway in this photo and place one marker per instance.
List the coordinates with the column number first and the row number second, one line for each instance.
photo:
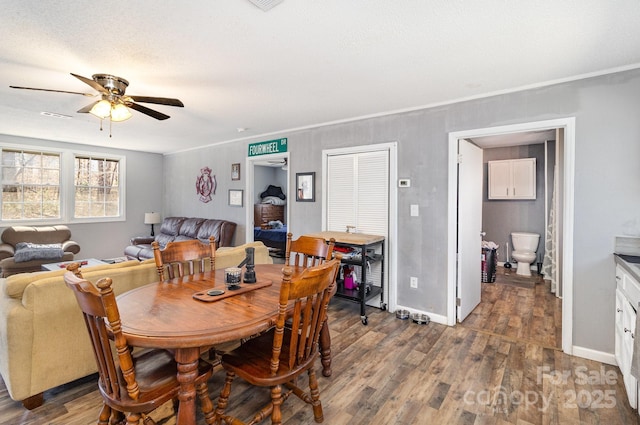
column 263, row 172
column 457, row 264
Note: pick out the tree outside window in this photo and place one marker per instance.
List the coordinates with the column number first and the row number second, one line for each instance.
column 96, row 182
column 30, row 185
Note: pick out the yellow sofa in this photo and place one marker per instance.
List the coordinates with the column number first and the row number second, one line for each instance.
column 43, row 338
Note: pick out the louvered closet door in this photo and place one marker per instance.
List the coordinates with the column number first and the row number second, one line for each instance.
column 358, row 195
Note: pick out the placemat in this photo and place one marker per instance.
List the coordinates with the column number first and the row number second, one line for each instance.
column 244, row 287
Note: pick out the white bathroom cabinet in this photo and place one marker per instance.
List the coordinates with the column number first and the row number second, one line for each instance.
column 627, row 295
column 512, row 179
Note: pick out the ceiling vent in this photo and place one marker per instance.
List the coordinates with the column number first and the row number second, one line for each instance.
column 266, row 4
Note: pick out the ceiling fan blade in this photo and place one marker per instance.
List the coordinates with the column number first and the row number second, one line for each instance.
column 87, row 108
column 54, row 91
column 90, row 82
column 147, row 111
column 158, row 100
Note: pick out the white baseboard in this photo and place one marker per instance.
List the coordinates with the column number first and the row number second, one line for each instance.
column 600, row 356
column 436, row 318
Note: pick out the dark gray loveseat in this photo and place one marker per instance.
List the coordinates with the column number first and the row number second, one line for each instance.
column 180, row 229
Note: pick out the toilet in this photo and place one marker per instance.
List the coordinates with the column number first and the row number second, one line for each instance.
column 524, row 251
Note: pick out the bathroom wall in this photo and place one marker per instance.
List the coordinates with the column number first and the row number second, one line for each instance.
column 499, row 217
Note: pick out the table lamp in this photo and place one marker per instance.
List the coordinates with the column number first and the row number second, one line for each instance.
column 152, row 218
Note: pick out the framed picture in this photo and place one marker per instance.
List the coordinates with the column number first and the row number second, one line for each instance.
column 306, row 187
column 235, row 197
column 235, row 171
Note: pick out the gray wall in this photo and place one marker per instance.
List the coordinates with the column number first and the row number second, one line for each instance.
column 181, row 172
column 500, row 217
column 607, row 183
column 143, row 194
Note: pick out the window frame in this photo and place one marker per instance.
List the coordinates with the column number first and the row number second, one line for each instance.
column 67, row 186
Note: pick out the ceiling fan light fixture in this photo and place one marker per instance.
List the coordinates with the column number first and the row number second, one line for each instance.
column 119, row 113
column 101, row 109
column 104, row 109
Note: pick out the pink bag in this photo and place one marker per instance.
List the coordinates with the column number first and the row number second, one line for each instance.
column 349, row 282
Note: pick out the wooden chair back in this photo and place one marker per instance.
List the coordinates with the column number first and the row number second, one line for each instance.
column 98, row 304
column 171, row 261
column 122, row 394
column 310, row 293
column 308, row 251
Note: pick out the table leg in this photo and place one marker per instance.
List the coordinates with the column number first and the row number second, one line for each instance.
column 187, row 359
column 325, row 349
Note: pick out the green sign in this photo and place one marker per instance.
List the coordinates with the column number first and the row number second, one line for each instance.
column 268, row 147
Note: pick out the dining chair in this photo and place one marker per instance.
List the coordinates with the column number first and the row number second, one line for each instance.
column 130, row 385
column 308, row 251
column 276, row 358
column 176, row 255
column 191, row 253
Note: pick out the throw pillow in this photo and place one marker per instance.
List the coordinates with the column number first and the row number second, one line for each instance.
column 27, row 251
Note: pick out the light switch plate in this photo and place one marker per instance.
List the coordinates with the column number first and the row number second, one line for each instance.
column 415, row 211
column 404, row 183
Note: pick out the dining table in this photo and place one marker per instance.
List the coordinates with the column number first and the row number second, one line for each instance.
column 179, row 315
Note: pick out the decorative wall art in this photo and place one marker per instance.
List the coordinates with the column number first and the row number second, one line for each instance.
column 206, row 184
column 235, row 197
column 306, row 187
column 235, row 171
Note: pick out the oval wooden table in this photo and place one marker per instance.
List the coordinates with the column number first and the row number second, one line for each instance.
column 166, row 315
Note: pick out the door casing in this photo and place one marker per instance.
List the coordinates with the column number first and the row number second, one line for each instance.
column 568, row 124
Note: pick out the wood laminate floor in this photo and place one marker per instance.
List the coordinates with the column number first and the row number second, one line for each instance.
column 398, row 372
column 519, row 307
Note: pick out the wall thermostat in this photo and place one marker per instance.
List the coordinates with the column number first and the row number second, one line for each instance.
column 404, row 183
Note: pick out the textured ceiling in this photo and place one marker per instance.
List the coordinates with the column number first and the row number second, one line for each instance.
column 300, row 64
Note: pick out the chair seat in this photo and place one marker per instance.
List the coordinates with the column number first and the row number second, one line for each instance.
column 252, row 361
column 156, row 375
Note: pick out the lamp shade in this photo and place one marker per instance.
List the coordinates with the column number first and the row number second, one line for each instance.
column 152, row 218
column 119, row 113
column 101, row 109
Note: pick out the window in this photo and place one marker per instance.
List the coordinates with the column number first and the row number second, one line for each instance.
column 96, row 182
column 40, row 186
column 30, row 185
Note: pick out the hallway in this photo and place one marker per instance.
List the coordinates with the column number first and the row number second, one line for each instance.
column 519, row 308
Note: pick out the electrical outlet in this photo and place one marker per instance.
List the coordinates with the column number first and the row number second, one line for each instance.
column 413, row 282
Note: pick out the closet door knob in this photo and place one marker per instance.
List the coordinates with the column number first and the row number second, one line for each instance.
column 619, row 310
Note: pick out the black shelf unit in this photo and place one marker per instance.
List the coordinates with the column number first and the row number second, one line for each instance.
column 364, row 292
column 372, row 246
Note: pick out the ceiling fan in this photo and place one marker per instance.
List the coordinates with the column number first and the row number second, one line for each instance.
column 279, row 162
column 114, row 103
